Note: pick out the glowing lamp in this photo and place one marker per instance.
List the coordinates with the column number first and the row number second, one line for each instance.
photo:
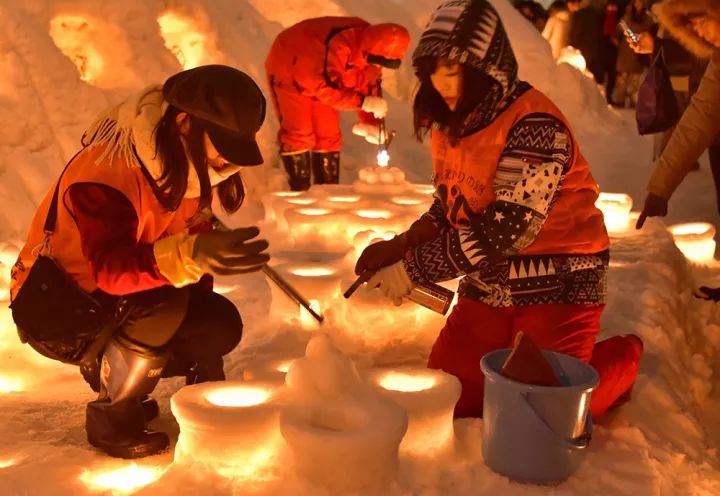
column 616, row 211
column 229, row 427
column 428, row 397
column 6, row 462
column 307, row 321
column 321, row 228
column 127, row 479
column 573, row 56
column 695, row 240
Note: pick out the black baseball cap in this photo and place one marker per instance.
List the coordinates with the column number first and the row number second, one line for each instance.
column 227, row 103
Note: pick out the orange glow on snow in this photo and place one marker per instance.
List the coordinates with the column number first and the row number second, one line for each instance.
column 71, row 35
column 126, row 479
column 183, row 40
column 10, row 384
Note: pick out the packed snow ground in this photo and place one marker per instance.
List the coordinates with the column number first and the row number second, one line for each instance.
column 663, row 443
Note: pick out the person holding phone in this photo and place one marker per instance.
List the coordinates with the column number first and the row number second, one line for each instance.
column 630, row 65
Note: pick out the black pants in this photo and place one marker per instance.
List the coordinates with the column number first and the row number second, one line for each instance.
column 193, row 323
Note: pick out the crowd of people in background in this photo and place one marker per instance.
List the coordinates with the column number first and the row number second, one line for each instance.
column 592, row 27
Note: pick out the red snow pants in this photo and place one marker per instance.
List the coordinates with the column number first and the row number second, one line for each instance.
column 474, row 329
column 306, row 123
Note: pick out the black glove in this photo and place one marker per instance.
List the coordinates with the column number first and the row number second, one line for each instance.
column 421, row 231
column 229, row 252
column 381, row 254
column 655, row 206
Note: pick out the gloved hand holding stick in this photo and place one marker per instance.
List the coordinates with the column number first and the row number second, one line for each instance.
column 275, row 277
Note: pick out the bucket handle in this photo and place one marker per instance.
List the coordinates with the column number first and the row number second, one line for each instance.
column 578, row 443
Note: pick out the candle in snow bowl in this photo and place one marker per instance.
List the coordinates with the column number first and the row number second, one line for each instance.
column 230, row 427
column 342, row 433
column 378, row 219
column 321, row 228
column 424, row 189
column 282, row 204
column 269, row 198
column 428, row 397
column 341, row 202
column 616, row 211
column 315, row 281
column 363, row 239
column 695, row 240
column 414, row 205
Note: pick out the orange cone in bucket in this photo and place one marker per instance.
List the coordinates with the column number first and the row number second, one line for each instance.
column 536, row 433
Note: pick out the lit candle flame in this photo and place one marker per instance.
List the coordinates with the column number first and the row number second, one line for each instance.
column 314, row 211
column 406, row 383
column 383, row 158
column 8, row 462
column 238, row 396
column 126, row 479
column 312, row 271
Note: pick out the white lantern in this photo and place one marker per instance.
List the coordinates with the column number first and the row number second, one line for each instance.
column 230, row 427
column 696, row 240
column 616, row 211
column 428, row 397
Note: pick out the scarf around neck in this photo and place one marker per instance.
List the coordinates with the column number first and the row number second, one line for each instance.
column 127, row 131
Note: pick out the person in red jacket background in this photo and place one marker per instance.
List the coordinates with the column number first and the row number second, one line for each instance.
column 514, row 215
column 318, row 67
column 130, row 233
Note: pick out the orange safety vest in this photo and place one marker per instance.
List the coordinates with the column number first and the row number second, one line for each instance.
column 467, row 171
column 154, row 222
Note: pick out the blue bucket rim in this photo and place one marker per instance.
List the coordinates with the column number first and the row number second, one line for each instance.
column 491, row 373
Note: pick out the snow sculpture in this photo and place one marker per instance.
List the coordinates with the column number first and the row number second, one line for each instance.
column 616, row 210
column 343, row 434
column 183, row 38
column 230, row 427
column 696, row 240
column 73, row 36
column 428, row 397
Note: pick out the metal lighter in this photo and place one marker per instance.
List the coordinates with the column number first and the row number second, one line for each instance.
column 429, row 295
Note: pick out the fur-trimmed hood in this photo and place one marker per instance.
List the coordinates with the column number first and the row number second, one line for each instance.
column 674, row 16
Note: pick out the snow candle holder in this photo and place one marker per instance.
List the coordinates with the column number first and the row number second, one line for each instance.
column 377, row 219
column 273, row 371
column 319, row 227
column 277, row 203
column 230, row 426
column 318, row 282
column 414, row 205
column 696, row 240
column 341, row 202
column 616, row 211
column 428, row 397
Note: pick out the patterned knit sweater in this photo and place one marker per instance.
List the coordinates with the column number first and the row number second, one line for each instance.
column 529, row 177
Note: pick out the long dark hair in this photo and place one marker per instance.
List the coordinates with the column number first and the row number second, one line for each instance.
column 172, row 184
column 429, row 107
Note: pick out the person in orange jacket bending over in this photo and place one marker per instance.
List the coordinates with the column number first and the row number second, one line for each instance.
column 514, row 215
column 320, row 66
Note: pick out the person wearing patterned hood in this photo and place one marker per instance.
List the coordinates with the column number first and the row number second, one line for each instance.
column 130, row 231
column 514, row 214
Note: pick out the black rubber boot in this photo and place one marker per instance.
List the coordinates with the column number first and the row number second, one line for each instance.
column 116, row 421
column 297, row 166
column 326, row 167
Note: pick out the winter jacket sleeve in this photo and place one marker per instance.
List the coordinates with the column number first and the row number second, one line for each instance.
column 107, row 223
column 341, row 81
column 527, row 180
column 696, row 130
